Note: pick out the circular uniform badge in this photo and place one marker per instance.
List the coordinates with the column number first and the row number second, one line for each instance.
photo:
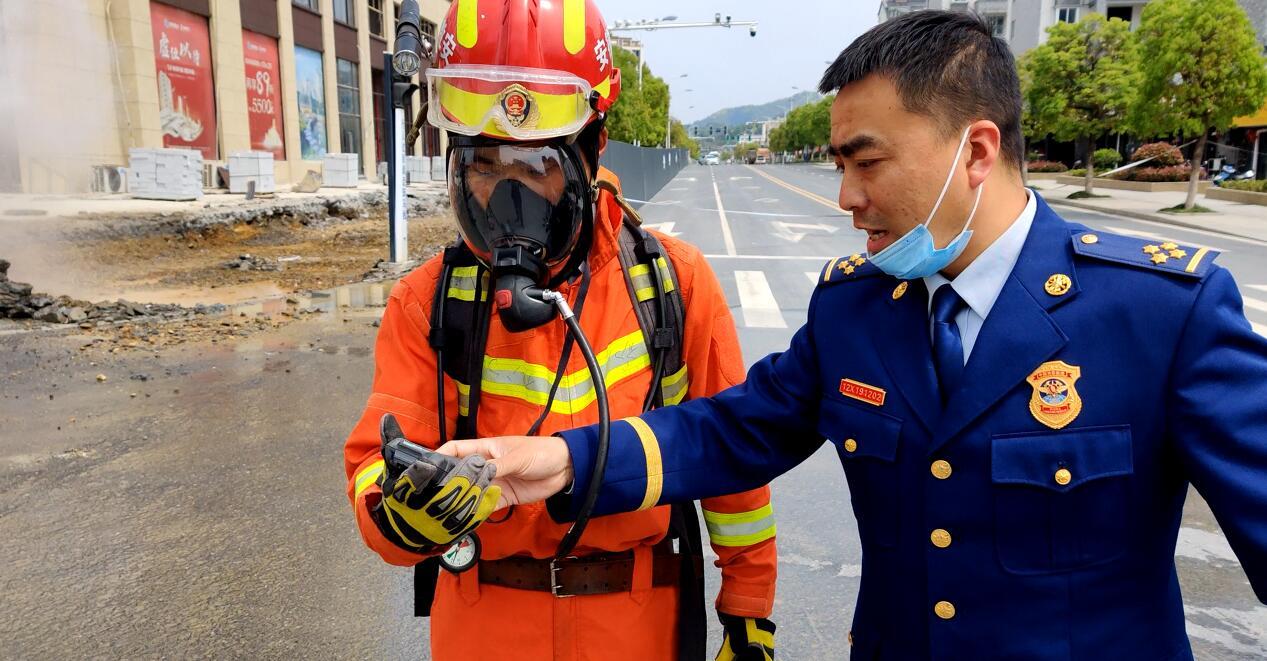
column 462, row 555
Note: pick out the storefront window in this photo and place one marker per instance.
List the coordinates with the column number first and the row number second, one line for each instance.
column 349, row 108
column 310, row 90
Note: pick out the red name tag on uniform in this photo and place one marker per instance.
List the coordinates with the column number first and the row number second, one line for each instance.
column 862, row 392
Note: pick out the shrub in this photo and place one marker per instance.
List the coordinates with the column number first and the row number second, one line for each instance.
column 1047, row 166
column 1077, row 172
column 1258, row 186
column 1106, row 159
column 1169, row 173
column 1163, row 154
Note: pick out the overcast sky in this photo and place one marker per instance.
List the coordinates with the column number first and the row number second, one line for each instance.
column 795, row 41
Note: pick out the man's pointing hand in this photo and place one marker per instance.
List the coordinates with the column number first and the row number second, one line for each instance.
column 529, row 468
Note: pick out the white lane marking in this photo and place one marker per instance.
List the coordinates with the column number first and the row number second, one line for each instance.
column 760, row 309
column 729, row 212
column 1259, row 328
column 813, row 276
column 789, row 231
column 663, row 228
column 1254, row 303
column 1149, row 236
column 679, row 188
column 1203, row 545
column 811, row 258
column 727, row 238
column 766, row 200
column 1258, row 287
column 750, row 187
column 739, row 178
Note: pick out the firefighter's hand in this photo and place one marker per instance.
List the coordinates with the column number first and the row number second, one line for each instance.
column 426, row 507
column 529, row 468
column 746, row 639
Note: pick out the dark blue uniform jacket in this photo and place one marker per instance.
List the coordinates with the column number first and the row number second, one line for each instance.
column 1035, row 515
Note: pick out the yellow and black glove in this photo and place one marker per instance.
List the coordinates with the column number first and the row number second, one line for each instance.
column 436, row 500
column 746, row 639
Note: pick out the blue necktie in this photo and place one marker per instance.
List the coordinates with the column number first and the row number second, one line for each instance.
column 947, row 345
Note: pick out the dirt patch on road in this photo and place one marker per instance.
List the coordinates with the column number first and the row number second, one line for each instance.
column 246, row 260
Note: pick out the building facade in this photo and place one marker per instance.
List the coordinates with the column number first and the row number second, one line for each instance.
column 90, row 79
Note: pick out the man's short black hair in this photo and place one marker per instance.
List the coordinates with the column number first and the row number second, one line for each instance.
column 946, row 65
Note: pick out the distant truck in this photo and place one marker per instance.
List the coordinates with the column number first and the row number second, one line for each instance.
column 763, row 156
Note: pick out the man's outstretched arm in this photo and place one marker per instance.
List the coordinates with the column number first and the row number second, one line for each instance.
column 737, row 440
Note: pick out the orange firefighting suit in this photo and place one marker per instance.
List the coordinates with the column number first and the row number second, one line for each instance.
column 471, row 621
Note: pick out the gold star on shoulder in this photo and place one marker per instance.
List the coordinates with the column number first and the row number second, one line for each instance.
column 1160, row 258
column 1151, row 249
column 1177, row 253
column 1169, row 245
column 857, row 259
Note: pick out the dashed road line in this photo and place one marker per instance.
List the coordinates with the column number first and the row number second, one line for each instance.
column 760, row 308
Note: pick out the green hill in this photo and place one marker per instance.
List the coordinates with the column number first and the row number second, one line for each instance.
column 735, row 118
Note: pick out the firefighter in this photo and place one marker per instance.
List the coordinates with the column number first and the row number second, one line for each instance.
column 466, row 349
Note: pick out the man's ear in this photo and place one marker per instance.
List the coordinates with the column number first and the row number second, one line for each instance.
column 602, row 141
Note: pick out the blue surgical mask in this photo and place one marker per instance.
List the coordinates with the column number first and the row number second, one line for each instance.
column 914, row 255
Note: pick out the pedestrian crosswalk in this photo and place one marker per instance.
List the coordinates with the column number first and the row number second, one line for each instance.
column 761, row 308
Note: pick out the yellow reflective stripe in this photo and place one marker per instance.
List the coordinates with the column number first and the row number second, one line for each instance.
column 464, row 398
column 574, row 25
column 673, row 388
column 655, row 464
column 1196, row 260
column 462, row 284
column 531, row 382
column 468, row 27
column 368, row 475
column 640, row 275
column 740, row 528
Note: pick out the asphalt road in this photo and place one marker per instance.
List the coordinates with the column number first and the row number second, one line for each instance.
column 205, row 517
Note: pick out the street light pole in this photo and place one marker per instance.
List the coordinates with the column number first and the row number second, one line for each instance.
column 412, row 49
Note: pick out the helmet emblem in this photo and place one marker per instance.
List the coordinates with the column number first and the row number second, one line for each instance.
column 519, row 107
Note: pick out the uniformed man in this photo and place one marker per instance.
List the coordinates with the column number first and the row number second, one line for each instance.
column 1019, row 402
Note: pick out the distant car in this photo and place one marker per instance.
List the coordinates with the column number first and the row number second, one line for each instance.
column 760, row 160
column 713, row 158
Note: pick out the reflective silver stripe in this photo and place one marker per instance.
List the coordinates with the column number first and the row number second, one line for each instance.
column 369, row 475
column 673, row 387
column 464, row 398
column 644, row 288
column 530, row 382
column 742, row 528
column 462, row 281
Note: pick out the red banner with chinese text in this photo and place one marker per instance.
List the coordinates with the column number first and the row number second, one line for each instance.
column 263, row 94
column 186, row 91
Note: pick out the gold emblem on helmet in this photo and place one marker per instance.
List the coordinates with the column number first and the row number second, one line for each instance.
column 519, row 107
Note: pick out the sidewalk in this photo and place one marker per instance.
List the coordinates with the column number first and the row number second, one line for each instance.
column 18, row 206
column 1247, row 221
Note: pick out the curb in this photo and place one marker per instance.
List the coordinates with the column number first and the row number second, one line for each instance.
column 1156, row 218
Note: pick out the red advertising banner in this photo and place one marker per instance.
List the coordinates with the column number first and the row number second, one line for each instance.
column 263, row 94
column 186, row 93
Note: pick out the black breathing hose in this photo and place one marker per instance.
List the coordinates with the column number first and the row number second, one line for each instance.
column 604, row 426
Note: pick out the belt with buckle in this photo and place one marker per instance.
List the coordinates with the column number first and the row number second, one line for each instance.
column 574, row 576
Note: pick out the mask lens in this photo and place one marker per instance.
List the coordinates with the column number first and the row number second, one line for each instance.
column 512, row 195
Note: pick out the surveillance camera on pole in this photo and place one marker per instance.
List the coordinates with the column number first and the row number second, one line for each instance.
column 412, row 49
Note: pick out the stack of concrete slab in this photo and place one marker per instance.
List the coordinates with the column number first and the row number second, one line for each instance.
column 248, row 166
column 165, row 174
column 417, row 169
column 438, row 169
column 340, row 170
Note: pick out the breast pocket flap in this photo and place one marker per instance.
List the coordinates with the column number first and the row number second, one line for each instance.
column 859, row 433
column 1062, row 460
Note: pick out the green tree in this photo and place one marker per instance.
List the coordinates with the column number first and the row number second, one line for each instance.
column 1081, row 83
column 641, row 113
column 682, row 139
column 1202, row 67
